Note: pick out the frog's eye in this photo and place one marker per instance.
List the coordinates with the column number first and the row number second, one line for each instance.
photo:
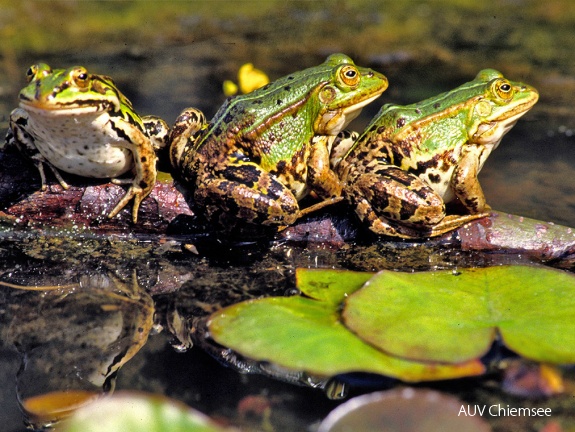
column 31, row 73
column 37, row 71
column 80, row 77
column 349, row 75
column 503, row 89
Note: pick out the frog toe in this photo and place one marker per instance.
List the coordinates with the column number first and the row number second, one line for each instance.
column 137, row 194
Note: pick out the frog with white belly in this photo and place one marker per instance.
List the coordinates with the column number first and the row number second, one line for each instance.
column 73, row 121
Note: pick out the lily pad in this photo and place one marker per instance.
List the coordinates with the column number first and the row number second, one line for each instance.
column 139, row 412
column 402, row 410
column 454, row 316
column 306, row 334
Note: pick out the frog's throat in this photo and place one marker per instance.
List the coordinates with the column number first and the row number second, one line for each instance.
column 333, row 122
column 491, row 133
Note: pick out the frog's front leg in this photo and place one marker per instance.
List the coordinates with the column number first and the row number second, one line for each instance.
column 243, row 191
column 145, row 172
column 24, row 142
column 321, row 178
column 464, row 180
column 394, row 202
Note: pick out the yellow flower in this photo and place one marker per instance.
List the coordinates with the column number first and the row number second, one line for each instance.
column 249, row 79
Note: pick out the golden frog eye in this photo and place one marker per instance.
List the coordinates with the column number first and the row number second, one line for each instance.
column 80, row 76
column 349, row 75
column 31, row 73
column 37, row 71
column 503, row 89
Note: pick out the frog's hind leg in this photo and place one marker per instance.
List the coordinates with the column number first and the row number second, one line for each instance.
column 398, row 196
column 244, row 193
column 396, row 203
column 189, row 126
column 157, row 130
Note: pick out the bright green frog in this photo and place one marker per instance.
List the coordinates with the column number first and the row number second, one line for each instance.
column 412, row 159
column 264, row 151
column 80, row 123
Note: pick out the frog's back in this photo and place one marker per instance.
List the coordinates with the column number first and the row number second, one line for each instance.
column 270, row 103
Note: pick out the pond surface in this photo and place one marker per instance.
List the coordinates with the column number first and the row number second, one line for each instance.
column 168, row 56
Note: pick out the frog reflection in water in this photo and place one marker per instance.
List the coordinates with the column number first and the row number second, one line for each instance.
column 412, row 159
column 264, row 151
column 73, row 339
column 80, row 123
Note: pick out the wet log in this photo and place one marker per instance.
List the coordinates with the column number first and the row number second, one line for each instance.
column 503, row 232
column 84, row 206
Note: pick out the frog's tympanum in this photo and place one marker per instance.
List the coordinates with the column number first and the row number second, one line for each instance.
column 80, row 123
column 413, row 159
column 265, row 150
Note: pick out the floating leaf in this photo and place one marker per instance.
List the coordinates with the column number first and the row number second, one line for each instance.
column 137, row 412
column 403, row 410
column 453, row 317
column 306, row 334
column 330, row 286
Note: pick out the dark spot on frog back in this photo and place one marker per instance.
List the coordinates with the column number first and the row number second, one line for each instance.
column 281, row 167
column 401, row 122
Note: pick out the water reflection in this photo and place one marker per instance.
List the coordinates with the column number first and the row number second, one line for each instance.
column 73, row 339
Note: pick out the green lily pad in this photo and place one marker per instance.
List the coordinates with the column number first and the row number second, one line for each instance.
column 330, row 286
column 453, row 317
column 139, row 412
column 306, row 334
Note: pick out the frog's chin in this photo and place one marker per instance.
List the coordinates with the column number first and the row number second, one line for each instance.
column 491, row 133
column 333, row 122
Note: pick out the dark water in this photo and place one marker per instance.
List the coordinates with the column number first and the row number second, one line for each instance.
column 179, row 57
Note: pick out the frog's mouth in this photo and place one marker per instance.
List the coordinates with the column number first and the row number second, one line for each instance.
column 334, row 121
column 63, row 110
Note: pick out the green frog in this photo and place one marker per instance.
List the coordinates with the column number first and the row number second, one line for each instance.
column 411, row 160
column 80, row 123
column 266, row 150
